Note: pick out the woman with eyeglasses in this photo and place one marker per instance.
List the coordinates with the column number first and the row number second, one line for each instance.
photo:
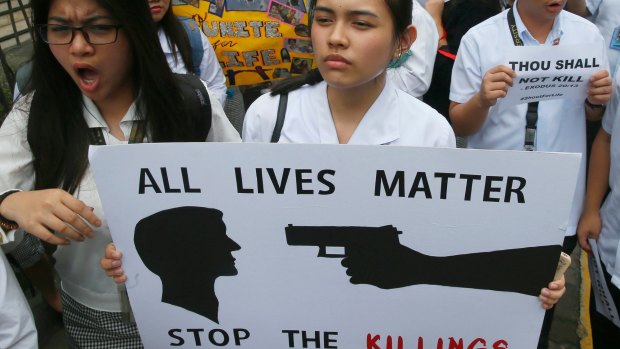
column 98, row 77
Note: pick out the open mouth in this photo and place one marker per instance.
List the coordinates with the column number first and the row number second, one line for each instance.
column 88, row 77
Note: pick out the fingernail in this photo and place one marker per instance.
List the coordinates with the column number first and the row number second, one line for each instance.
column 116, row 263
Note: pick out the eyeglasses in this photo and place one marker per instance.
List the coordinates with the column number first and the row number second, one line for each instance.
column 94, row 34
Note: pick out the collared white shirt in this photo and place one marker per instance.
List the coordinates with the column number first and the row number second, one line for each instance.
column 210, row 69
column 395, row 118
column 78, row 264
column 561, row 123
column 415, row 74
column 606, row 16
column 17, row 329
column 609, row 239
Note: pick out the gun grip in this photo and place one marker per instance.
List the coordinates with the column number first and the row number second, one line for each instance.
column 323, row 253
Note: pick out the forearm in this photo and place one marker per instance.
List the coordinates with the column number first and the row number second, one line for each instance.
column 467, row 118
column 525, row 270
column 598, row 172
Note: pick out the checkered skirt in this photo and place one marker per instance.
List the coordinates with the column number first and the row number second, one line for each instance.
column 94, row 329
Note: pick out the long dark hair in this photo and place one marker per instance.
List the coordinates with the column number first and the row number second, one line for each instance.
column 57, row 131
column 401, row 16
column 178, row 39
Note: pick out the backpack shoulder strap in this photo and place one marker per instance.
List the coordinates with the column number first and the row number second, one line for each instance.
column 277, row 130
column 195, row 41
column 197, row 104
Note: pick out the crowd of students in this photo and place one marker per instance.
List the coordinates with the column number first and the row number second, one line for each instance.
column 102, row 73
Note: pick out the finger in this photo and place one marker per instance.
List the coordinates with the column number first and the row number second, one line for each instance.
column 59, row 226
column 602, row 82
column 115, row 272
column 501, row 77
column 496, row 87
column 120, row 279
column 80, row 208
column 594, row 91
column 45, row 235
column 601, row 74
column 109, row 264
column 112, row 253
column 75, row 221
column 502, row 69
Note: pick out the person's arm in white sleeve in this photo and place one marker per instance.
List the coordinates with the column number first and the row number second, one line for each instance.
column 17, row 329
column 221, row 129
column 211, row 71
column 415, row 74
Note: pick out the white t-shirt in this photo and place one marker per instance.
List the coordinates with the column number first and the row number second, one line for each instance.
column 210, row 69
column 415, row 74
column 561, row 124
column 17, row 330
column 609, row 239
column 78, row 264
column 606, row 16
column 395, row 118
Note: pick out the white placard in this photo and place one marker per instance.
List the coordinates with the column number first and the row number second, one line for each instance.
column 551, row 72
column 482, row 224
column 602, row 297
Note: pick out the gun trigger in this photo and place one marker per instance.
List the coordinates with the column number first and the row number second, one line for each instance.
column 322, row 251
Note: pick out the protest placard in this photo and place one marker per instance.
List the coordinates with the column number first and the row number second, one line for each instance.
column 255, row 40
column 428, row 247
column 551, row 72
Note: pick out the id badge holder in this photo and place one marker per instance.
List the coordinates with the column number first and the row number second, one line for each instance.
column 615, row 39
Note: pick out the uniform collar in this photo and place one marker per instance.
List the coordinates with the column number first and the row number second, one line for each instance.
column 554, row 35
column 94, row 118
column 380, row 124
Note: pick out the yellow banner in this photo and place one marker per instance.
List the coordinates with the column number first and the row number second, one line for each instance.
column 254, row 40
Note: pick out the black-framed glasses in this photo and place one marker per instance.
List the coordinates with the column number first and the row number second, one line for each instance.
column 94, row 34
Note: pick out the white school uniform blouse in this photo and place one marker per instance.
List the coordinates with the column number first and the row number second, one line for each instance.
column 395, row 118
column 210, row 69
column 78, row 264
column 561, row 123
column 609, row 239
column 415, row 74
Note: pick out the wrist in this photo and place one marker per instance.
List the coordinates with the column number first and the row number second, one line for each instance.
column 593, row 105
column 5, row 223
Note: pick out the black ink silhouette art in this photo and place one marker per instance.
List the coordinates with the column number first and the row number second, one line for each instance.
column 374, row 256
column 187, row 247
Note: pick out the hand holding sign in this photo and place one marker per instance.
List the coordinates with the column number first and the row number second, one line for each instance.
column 599, row 87
column 495, row 84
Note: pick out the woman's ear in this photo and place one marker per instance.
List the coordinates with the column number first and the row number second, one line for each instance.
column 406, row 39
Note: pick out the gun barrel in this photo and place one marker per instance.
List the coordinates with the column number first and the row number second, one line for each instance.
column 336, row 236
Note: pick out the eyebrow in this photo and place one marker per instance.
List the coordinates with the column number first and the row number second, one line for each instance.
column 84, row 21
column 353, row 12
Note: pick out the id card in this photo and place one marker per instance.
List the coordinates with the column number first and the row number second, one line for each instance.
column 615, row 39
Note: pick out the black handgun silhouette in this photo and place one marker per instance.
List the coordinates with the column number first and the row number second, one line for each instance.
column 346, row 237
column 374, row 256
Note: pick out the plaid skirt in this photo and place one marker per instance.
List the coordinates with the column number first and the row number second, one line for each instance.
column 94, row 329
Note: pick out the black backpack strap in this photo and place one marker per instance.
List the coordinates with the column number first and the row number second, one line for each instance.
column 275, row 136
column 197, row 104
